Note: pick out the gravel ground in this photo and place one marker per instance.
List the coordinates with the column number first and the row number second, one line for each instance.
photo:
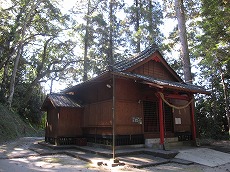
column 17, row 157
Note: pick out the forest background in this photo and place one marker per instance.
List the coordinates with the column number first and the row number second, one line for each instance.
column 42, row 42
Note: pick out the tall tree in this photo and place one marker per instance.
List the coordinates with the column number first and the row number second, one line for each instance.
column 104, row 39
column 180, row 14
column 137, row 9
column 30, row 24
column 191, row 15
column 97, row 34
column 213, row 50
column 145, row 17
column 88, row 28
column 86, row 42
column 57, row 56
column 110, row 57
column 25, row 22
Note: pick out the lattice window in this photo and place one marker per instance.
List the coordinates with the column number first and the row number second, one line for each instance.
column 168, row 117
column 151, row 121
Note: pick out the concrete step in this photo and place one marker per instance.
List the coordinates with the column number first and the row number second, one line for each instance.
column 108, row 153
column 171, row 140
column 156, row 141
column 176, row 145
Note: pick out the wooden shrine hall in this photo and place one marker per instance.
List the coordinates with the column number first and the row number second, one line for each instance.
column 140, row 100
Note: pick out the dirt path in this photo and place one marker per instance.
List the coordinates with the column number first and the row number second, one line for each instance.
column 16, row 156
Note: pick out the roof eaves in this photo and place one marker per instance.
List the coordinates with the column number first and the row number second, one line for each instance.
column 73, row 88
column 164, row 83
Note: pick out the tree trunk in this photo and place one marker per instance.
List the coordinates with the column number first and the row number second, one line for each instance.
column 19, row 51
column 179, row 7
column 86, row 42
column 5, row 80
column 51, row 85
column 9, row 50
column 152, row 35
column 40, row 74
column 110, row 52
column 137, row 25
column 13, row 77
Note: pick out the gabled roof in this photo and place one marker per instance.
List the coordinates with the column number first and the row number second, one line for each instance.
column 126, row 64
column 143, row 57
column 124, row 68
column 61, row 100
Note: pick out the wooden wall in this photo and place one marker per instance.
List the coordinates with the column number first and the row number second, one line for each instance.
column 95, row 92
column 184, row 114
column 64, row 122
column 97, row 98
column 98, row 118
column 70, row 122
column 98, row 115
column 52, row 122
column 128, row 106
column 129, row 97
column 154, row 69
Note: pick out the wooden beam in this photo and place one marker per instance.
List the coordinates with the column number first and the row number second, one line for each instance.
column 152, row 84
column 177, row 96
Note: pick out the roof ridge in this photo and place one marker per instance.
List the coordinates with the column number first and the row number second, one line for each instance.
column 124, row 64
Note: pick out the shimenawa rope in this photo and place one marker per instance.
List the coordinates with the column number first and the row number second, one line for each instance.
column 173, row 106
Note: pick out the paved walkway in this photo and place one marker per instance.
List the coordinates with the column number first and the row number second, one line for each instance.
column 132, row 157
column 28, row 149
column 205, row 156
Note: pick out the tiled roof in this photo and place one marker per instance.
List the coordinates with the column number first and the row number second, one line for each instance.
column 125, row 64
column 63, row 100
column 165, row 83
column 121, row 67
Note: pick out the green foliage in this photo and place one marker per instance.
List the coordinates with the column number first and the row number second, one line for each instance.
column 33, row 33
column 212, row 49
column 49, row 39
column 211, row 121
column 12, row 126
column 216, row 30
column 144, row 17
column 29, row 111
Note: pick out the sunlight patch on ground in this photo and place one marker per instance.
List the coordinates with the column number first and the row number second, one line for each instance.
column 3, row 148
column 18, row 149
column 204, row 156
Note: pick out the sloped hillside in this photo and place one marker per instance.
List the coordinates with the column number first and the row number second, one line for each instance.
column 12, row 126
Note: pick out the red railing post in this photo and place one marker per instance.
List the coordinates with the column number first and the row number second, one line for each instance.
column 161, row 121
column 192, row 106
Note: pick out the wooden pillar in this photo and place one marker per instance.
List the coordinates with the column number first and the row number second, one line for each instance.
column 114, row 118
column 192, row 106
column 161, row 121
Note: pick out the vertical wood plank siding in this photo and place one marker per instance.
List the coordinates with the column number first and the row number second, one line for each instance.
column 70, row 122
column 52, row 123
column 184, row 114
column 154, row 69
